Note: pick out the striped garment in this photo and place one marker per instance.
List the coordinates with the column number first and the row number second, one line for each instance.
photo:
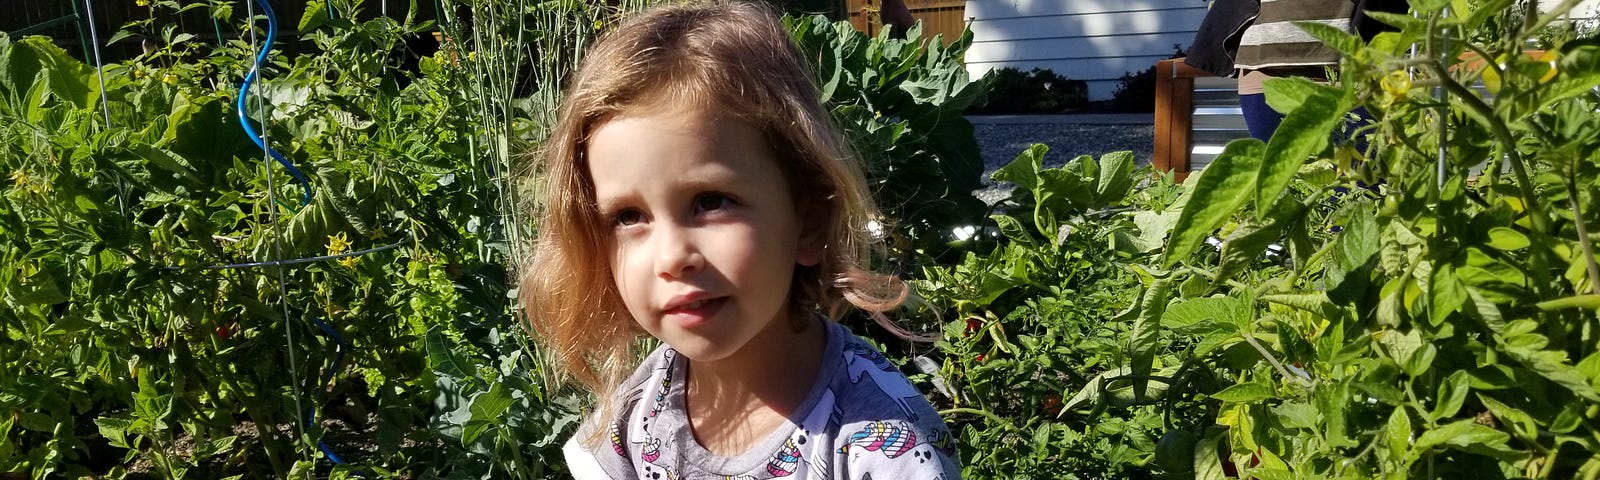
column 1275, row 42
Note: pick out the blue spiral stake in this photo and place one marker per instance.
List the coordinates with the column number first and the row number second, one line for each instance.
column 244, row 117
column 305, row 184
column 327, row 378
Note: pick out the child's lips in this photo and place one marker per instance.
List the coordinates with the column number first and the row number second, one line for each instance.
column 694, row 313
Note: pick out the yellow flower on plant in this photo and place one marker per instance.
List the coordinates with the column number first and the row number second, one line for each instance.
column 338, row 244
column 19, row 179
column 142, row 3
column 1397, row 84
column 349, row 262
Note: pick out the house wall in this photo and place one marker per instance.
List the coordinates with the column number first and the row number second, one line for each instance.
column 1092, row 40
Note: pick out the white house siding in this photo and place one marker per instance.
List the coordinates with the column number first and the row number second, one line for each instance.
column 1092, row 40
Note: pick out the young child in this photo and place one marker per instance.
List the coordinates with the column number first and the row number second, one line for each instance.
column 695, row 191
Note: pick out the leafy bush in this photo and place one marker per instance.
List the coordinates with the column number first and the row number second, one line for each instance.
column 123, row 347
column 900, row 102
column 1446, row 329
column 1037, row 91
column 1299, row 322
column 1032, row 324
column 1136, row 91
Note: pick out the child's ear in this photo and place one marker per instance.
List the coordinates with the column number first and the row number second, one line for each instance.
column 813, row 242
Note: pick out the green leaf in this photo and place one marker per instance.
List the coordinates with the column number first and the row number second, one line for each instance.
column 1428, row 6
column 1397, row 20
column 1208, row 456
column 1297, row 415
column 1588, row 301
column 35, row 64
column 1023, row 171
column 1245, row 393
column 1303, row 133
column 1421, row 360
column 1446, row 294
column 1400, row 346
column 1218, row 194
column 1520, row 422
column 1397, row 433
column 316, row 14
column 1013, row 229
column 115, row 430
column 1153, row 228
column 1116, row 177
column 1550, row 364
column 486, row 408
column 1346, row 43
column 1506, row 239
column 1229, row 310
column 1310, row 302
column 443, row 358
column 1285, row 94
column 1145, row 336
column 1247, row 242
column 1462, row 433
column 1452, row 394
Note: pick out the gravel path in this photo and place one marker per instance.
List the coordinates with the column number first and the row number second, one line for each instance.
column 1001, row 142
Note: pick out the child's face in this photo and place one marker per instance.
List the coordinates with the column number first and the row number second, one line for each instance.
column 704, row 235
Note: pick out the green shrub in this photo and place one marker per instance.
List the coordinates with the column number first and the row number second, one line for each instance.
column 1030, row 325
column 1037, row 91
column 900, row 103
column 1136, row 91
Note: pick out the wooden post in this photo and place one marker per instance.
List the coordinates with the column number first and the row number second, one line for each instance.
column 1174, row 115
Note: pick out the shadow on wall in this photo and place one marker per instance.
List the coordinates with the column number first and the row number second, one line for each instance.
column 1098, row 41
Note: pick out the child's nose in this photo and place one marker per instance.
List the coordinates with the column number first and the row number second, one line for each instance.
column 676, row 253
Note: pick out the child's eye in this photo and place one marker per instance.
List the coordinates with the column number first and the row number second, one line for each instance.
column 627, row 218
column 712, row 202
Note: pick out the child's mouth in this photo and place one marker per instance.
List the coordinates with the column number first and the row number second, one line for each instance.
column 697, row 312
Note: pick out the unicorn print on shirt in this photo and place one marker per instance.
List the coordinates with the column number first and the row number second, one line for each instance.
column 892, row 438
column 863, row 360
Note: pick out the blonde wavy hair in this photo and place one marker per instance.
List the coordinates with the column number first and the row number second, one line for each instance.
column 731, row 56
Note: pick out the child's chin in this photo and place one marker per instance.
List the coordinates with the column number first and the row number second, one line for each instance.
column 701, row 350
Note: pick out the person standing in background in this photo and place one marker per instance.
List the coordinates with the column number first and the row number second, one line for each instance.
column 1259, row 40
column 897, row 16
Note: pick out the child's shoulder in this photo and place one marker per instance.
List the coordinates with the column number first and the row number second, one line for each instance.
column 885, row 424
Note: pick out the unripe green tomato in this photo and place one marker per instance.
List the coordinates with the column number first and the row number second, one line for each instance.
column 1175, row 451
column 1580, row 57
column 1390, row 207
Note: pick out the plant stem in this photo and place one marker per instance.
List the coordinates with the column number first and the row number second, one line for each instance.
column 1502, row 133
column 1583, row 230
column 1250, row 338
column 982, row 413
column 1559, row 11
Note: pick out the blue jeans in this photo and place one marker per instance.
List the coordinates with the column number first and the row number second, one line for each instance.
column 1262, row 120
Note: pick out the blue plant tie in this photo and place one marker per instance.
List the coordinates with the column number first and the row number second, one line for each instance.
column 244, row 116
column 338, row 362
column 305, row 185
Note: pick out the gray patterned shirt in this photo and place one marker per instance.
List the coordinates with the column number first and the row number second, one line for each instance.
column 861, row 420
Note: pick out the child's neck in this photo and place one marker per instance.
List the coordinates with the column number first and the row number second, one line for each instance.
column 736, row 402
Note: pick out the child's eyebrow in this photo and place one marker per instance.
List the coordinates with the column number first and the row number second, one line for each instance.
column 605, row 207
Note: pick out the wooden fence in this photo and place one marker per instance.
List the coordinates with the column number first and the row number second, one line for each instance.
column 939, row 17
